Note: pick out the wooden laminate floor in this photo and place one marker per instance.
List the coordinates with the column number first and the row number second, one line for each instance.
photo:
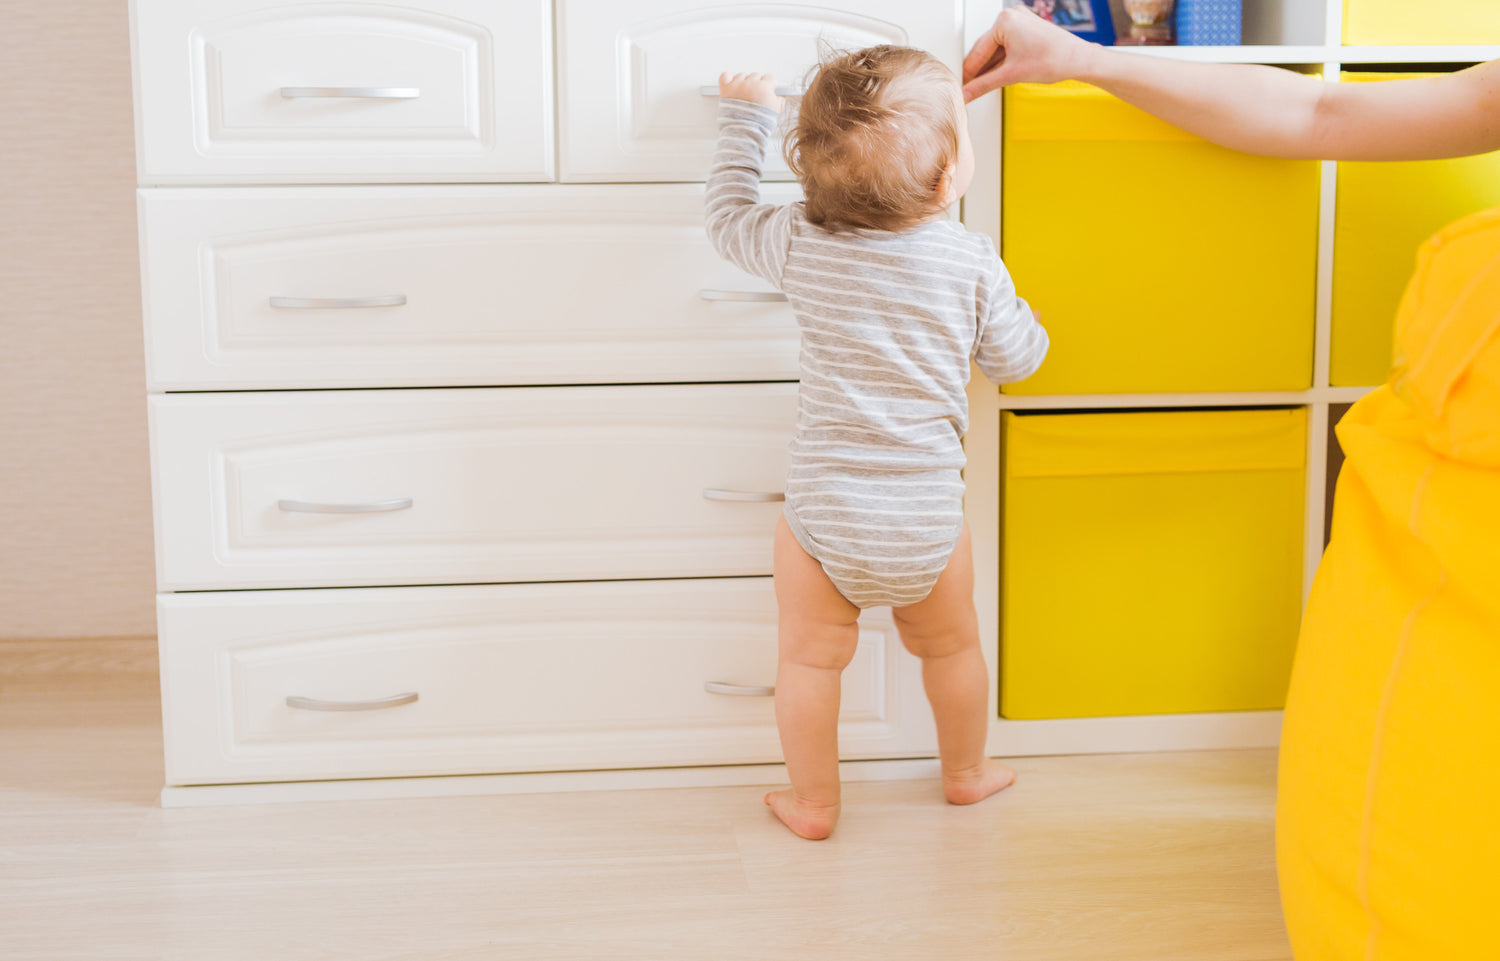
column 1125, row 858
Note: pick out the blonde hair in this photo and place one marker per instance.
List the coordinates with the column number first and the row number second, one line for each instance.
column 875, row 131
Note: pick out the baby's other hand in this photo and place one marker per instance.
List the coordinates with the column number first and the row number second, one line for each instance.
column 755, row 87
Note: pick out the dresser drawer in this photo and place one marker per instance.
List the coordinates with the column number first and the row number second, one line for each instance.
column 380, row 682
column 275, row 287
column 353, row 488
column 639, row 79
column 259, row 92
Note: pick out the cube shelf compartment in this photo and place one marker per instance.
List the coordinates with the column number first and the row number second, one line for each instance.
column 1152, row 561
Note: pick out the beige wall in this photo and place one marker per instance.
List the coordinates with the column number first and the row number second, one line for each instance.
column 75, row 540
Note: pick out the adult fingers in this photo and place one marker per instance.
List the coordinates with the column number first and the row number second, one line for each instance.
column 983, row 53
column 985, row 82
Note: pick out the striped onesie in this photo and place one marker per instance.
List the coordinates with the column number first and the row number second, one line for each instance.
column 889, row 321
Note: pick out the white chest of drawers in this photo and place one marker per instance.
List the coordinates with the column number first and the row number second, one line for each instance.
column 517, row 444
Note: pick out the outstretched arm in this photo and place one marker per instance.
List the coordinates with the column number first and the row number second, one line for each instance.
column 1257, row 109
column 749, row 234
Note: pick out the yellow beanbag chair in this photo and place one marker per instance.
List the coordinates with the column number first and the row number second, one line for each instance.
column 1388, row 818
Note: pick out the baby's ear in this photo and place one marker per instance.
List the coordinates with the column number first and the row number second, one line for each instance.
column 945, row 192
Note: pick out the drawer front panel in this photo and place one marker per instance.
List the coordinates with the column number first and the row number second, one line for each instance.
column 633, row 74
column 1238, row 313
column 1152, row 561
column 1385, row 212
column 254, row 288
column 505, row 678
column 350, row 488
column 441, row 90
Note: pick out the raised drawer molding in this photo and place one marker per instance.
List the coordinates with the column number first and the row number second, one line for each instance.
column 277, row 287
column 639, row 80
column 246, row 91
column 325, row 489
column 499, row 678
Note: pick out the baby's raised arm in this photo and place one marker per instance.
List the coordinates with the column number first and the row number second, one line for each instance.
column 1010, row 343
column 751, row 235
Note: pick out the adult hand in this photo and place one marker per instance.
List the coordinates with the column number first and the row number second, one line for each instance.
column 755, row 87
column 1021, row 48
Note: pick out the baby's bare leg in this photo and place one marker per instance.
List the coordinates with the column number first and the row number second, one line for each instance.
column 943, row 630
column 817, row 633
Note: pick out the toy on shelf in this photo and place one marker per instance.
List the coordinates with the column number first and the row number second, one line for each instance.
column 1209, row 23
column 1150, row 23
column 1090, row 19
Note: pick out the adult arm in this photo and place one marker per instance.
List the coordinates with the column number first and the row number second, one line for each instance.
column 1253, row 108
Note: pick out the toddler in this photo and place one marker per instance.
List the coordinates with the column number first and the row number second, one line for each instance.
column 893, row 300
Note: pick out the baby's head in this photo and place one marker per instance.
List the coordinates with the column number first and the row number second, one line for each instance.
column 881, row 141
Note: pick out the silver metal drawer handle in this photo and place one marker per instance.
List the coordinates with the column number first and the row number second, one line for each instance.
column 376, row 507
column 740, row 690
column 757, row 497
column 712, row 90
column 361, row 93
column 305, row 303
column 379, row 704
column 743, row 296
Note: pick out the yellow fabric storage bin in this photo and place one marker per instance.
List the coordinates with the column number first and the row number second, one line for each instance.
column 1389, row 791
column 1382, row 22
column 1158, row 261
column 1385, row 212
column 1152, row 562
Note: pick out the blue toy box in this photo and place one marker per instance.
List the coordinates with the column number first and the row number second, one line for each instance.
column 1208, row 23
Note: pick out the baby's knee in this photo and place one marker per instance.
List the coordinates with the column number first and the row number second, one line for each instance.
column 933, row 634
column 826, row 647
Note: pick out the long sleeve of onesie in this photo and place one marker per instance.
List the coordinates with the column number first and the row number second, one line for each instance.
column 1009, row 343
column 749, row 234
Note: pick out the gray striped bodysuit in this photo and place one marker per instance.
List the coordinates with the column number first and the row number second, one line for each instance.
column 889, row 324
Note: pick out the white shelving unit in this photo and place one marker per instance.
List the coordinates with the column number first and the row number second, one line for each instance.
column 1296, row 33
column 1290, row 33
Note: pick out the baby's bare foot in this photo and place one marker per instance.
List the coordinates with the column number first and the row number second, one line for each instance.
column 969, row 787
column 807, row 820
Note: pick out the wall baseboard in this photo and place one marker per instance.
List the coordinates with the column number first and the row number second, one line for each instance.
column 60, row 657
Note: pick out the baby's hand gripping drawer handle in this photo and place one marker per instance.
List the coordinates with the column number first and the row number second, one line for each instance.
column 310, row 507
column 317, row 303
column 379, row 704
column 351, row 93
column 740, row 690
column 752, row 497
column 744, row 296
column 712, row 90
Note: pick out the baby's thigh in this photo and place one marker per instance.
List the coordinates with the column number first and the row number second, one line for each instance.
column 944, row 622
column 817, row 625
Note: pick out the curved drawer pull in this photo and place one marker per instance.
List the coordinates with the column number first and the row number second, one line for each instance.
column 379, row 704
column 786, row 90
column 743, row 296
column 360, row 93
column 311, row 507
column 740, row 690
column 756, row 497
column 305, row 303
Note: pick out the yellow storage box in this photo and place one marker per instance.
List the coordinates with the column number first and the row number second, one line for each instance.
column 1383, row 22
column 1389, row 791
column 1152, row 561
column 1158, row 261
column 1385, row 212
